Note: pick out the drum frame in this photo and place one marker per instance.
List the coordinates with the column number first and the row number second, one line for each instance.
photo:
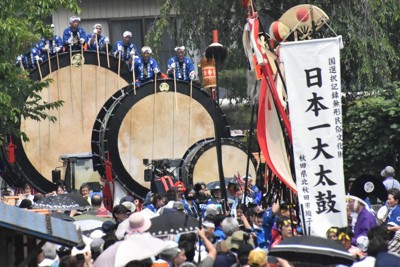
column 105, row 138
column 187, row 168
column 22, row 170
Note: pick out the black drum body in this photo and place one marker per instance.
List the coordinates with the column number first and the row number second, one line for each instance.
column 200, row 161
column 84, row 87
column 159, row 122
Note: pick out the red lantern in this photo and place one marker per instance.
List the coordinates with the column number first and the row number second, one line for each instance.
column 11, row 151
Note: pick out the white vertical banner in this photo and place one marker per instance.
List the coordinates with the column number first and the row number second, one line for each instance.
column 312, row 71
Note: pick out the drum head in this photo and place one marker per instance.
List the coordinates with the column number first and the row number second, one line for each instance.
column 84, row 89
column 148, row 126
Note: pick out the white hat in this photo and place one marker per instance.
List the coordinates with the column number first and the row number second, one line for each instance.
column 74, row 18
column 97, row 234
column 127, row 33
column 97, row 25
column 180, row 48
column 129, row 205
column 387, row 171
column 146, row 49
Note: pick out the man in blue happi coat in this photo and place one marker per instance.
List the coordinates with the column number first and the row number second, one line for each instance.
column 95, row 39
column 181, row 65
column 74, row 36
column 125, row 48
column 146, row 67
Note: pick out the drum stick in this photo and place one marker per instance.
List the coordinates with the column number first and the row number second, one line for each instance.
column 70, row 76
column 108, row 56
column 82, row 83
column 58, row 62
column 133, row 75
column 21, row 65
column 119, row 67
column 190, row 111
column 176, row 97
column 70, row 55
column 97, row 48
column 58, row 89
column 40, row 71
column 48, row 59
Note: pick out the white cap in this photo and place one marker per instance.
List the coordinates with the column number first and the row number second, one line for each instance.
column 98, row 25
column 74, row 18
column 182, row 48
column 146, row 49
column 127, row 33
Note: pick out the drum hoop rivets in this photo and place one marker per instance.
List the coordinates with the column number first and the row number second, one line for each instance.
column 164, row 87
column 77, row 60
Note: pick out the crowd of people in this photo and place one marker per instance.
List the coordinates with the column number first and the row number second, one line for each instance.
column 237, row 233
column 74, row 37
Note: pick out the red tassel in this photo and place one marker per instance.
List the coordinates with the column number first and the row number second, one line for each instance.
column 109, row 176
column 11, row 151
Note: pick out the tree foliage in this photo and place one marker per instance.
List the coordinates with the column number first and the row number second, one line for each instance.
column 369, row 60
column 21, row 25
column 372, row 131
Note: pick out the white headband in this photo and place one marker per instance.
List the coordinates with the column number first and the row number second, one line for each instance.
column 71, row 19
column 179, row 48
column 146, row 49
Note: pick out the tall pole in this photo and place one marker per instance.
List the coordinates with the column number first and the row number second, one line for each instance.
column 218, row 53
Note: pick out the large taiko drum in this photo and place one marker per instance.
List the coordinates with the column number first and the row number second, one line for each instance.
column 84, row 88
column 200, row 161
column 158, row 122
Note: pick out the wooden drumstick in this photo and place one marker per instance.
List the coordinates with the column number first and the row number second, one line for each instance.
column 40, row 71
column 108, row 56
column 48, row 59
column 21, row 64
column 133, row 74
column 190, row 111
column 176, row 97
column 58, row 89
column 119, row 67
column 97, row 48
column 70, row 76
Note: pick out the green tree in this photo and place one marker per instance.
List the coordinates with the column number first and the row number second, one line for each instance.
column 21, row 25
column 372, row 131
column 370, row 56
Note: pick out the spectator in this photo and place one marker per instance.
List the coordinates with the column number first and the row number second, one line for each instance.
column 389, row 181
column 365, row 219
column 394, row 208
column 26, row 195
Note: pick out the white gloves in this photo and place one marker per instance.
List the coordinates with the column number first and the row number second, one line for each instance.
column 95, row 31
column 173, row 66
column 132, row 52
column 120, row 48
column 19, row 58
column 70, row 40
column 192, row 75
column 58, row 49
column 156, row 70
column 37, row 58
column 82, row 40
column 46, row 47
column 106, row 40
